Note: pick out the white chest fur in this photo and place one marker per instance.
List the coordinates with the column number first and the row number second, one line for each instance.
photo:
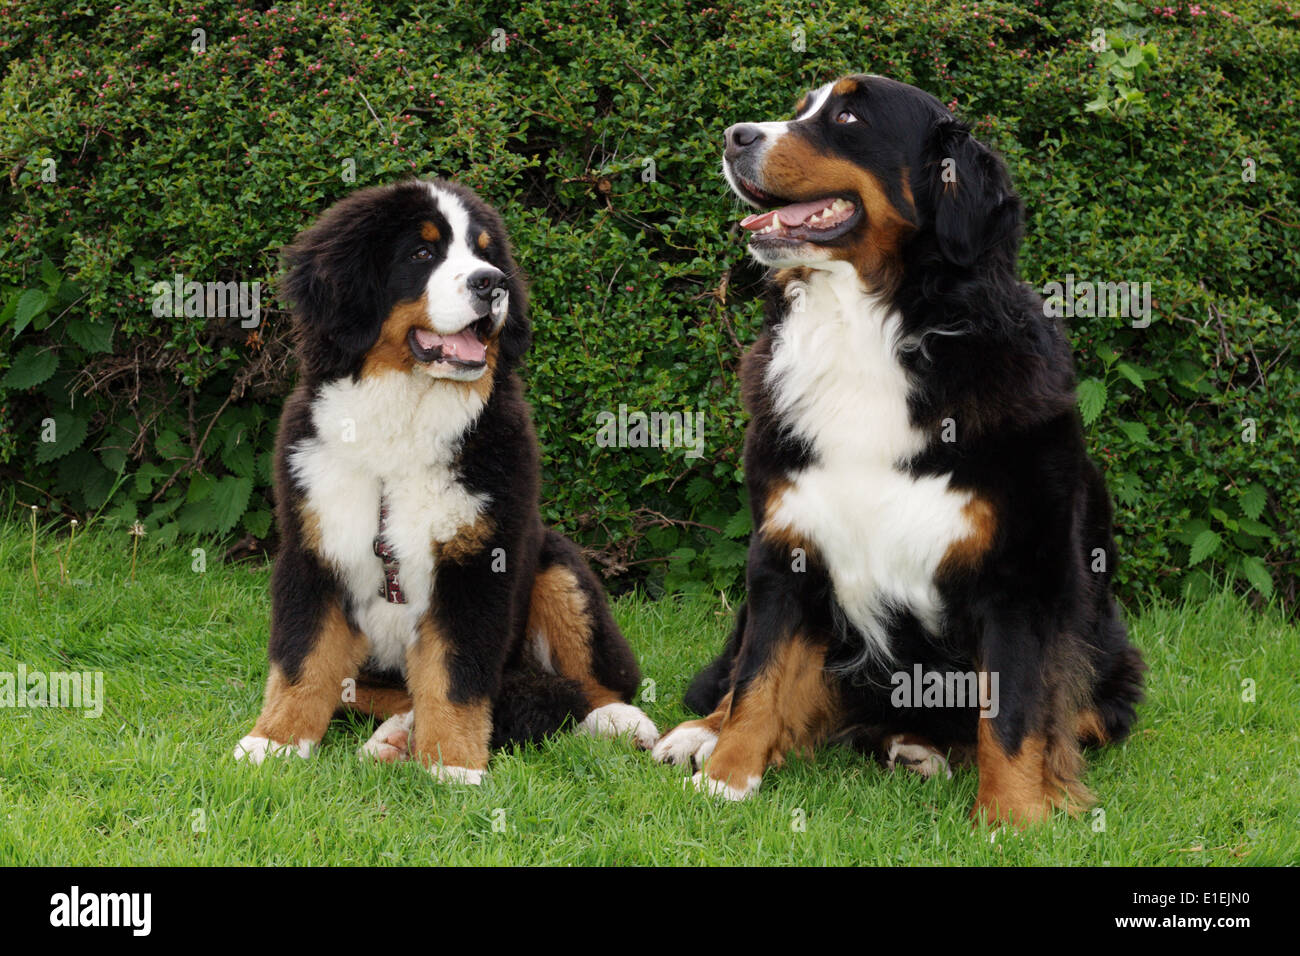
column 396, row 433
column 882, row 533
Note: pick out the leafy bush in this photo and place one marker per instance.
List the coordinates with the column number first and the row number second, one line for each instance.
column 1146, row 140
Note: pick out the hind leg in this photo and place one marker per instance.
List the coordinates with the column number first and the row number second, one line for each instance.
column 572, row 633
column 393, row 705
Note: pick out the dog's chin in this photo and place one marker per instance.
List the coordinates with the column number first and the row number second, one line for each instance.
column 450, row 372
column 789, row 256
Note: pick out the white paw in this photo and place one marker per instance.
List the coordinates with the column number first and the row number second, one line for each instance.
column 917, row 757
column 445, row 774
column 620, row 720
column 716, row 788
column 686, row 744
column 391, row 740
column 256, row 749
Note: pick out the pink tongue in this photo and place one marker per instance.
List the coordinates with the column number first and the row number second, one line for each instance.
column 791, row 215
column 464, row 345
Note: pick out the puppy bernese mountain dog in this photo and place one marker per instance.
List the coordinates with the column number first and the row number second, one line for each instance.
column 415, row 580
column 922, row 500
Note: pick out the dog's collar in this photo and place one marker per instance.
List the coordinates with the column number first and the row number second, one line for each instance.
column 390, row 589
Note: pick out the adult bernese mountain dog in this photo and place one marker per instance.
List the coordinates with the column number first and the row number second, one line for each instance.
column 923, row 503
column 415, row 580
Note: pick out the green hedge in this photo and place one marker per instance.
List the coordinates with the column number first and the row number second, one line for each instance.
column 1161, row 158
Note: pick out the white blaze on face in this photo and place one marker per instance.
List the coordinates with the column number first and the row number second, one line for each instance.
column 451, row 304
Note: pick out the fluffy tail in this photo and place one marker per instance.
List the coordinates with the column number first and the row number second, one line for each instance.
column 1118, row 690
column 534, row 704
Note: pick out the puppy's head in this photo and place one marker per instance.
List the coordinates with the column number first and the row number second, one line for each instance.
column 867, row 166
column 412, row 279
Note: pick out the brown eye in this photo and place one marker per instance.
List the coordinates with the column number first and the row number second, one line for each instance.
column 422, row 252
column 844, row 116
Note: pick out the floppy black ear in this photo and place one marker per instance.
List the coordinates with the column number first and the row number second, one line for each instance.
column 335, row 280
column 974, row 210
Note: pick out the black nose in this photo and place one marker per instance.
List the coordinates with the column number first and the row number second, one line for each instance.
column 483, row 283
column 742, row 136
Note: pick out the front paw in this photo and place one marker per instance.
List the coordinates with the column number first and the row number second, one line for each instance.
column 620, row 720
column 446, row 774
column 255, row 749
column 688, row 744
column 703, row 783
column 391, row 740
column 917, row 755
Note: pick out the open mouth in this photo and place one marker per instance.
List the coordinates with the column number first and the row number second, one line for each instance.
column 814, row 221
column 464, row 349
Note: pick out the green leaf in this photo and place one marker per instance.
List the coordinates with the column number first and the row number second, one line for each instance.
column 31, row 366
column 230, row 500
column 1256, row 572
column 69, row 432
column 1251, row 526
column 1206, row 544
column 698, row 488
column 90, row 335
column 257, row 523
column 1092, row 399
column 31, row 304
column 1136, row 432
column 237, row 455
column 728, row 554
column 1253, row 499
column 1132, row 374
column 739, row 525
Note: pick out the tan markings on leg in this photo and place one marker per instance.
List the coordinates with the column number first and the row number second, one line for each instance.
column 446, row 731
column 1090, row 729
column 965, row 553
column 558, row 611
column 790, row 705
column 470, row 539
column 795, row 170
column 845, row 87
column 391, row 352
column 1024, row 787
column 379, row 700
column 429, row 232
column 713, row 722
column 1011, row 787
column 301, row 710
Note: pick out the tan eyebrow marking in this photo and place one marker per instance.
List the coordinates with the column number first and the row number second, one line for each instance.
column 429, row 232
column 484, row 240
column 845, row 86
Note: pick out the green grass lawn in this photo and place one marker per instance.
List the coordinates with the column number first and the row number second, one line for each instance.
column 1207, row 778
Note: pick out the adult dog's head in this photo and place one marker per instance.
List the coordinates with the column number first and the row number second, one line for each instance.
column 871, row 171
column 414, row 279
